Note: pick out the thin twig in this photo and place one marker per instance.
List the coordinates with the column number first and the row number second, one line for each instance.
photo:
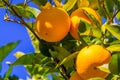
column 114, row 16
column 21, row 18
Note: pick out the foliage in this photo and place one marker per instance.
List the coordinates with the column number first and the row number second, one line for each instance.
column 58, row 58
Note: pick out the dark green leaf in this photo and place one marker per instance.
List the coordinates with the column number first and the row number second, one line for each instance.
column 117, row 2
column 114, row 30
column 40, row 2
column 7, row 74
column 109, row 7
column 68, row 59
column 60, row 53
column 6, row 49
column 69, row 4
column 114, row 65
column 44, row 48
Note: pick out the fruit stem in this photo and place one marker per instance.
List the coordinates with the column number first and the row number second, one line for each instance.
column 21, row 18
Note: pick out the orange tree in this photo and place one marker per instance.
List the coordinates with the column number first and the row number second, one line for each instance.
column 69, row 38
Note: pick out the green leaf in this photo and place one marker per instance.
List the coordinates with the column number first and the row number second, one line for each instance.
column 115, row 47
column 114, row 30
column 60, row 53
column 118, row 16
column 82, row 3
column 114, row 64
column 44, row 48
column 57, row 77
column 1, row 4
column 117, row 3
column 96, row 79
column 67, row 59
column 88, row 29
column 35, row 41
column 109, row 7
column 69, row 4
column 26, row 11
column 6, row 49
column 40, row 2
column 23, row 60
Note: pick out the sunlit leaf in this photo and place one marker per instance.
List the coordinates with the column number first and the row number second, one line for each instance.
column 57, row 3
column 27, row 12
column 114, row 64
column 115, row 47
column 69, row 4
column 88, row 29
column 114, row 30
column 1, row 4
column 6, row 49
column 35, row 41
column 93, row 4
column 19, row 54
column 82, row 3
column 96, row 79
column 118, row 16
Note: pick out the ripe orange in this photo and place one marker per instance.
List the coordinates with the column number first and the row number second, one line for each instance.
column 75, row 76
column 89, row 59
column 80, row 14
column 52, row 24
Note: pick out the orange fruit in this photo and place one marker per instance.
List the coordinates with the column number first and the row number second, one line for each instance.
column 80, row 14
column 75, row 76
column 52, row 24
column 89, row 59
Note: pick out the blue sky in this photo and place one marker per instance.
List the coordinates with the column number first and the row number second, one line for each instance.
column 11, row 32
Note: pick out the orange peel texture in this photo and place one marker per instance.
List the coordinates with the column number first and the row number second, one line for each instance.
column 89, row 58
column 79, row 14
column 52, row 24
column 75, row 76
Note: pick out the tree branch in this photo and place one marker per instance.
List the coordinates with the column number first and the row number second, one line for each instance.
column 21, row 18
column 114, row 16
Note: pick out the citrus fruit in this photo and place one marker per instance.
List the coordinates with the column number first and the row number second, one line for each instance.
column 52, row 24
column 75, row 76
column 89, row 59
column 80, row 14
